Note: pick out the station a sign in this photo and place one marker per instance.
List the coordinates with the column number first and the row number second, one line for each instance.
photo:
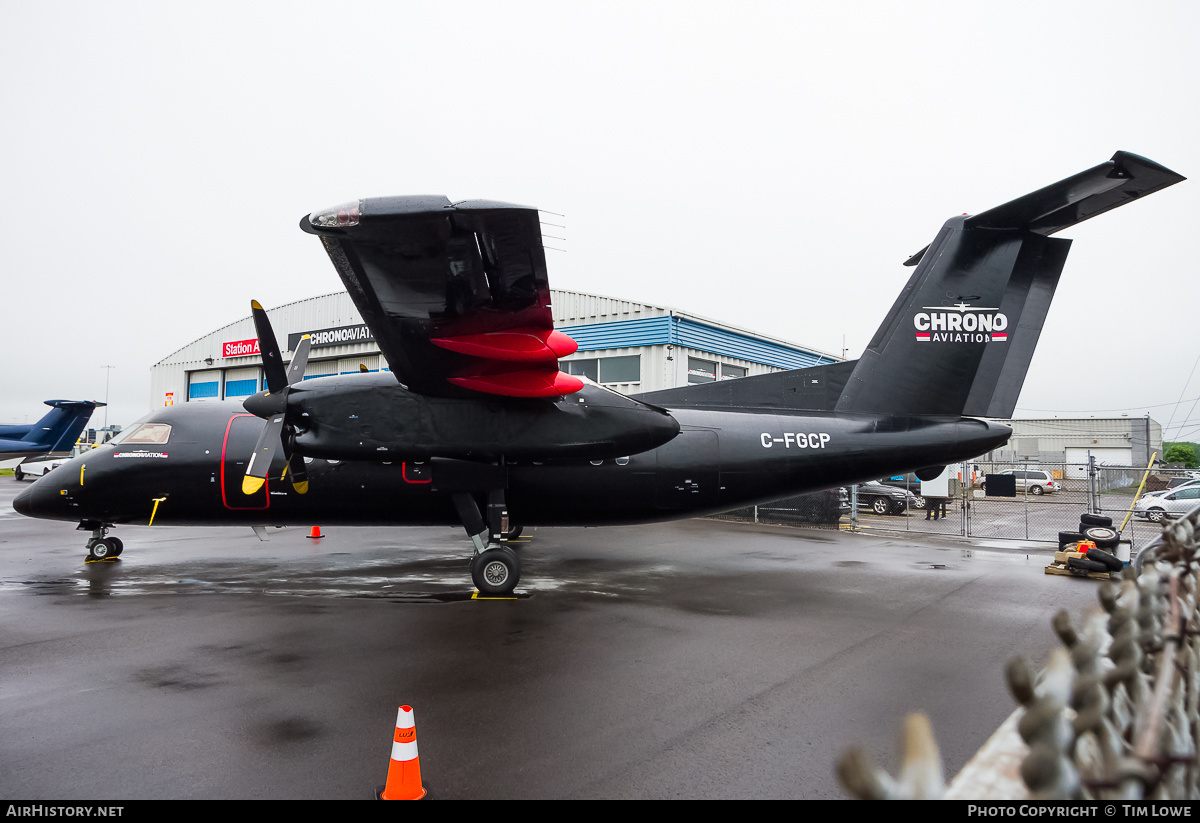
column 340, row 336
column 240, row 348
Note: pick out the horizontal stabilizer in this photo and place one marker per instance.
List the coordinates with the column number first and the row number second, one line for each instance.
column 1122, row 179
column 54, row 434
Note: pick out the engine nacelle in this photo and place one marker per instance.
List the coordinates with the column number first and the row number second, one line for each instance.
column 372, row 417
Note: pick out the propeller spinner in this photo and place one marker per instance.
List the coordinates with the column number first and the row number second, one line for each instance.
column 271, row 405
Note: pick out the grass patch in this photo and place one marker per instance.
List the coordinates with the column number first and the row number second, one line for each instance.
column 8, row 472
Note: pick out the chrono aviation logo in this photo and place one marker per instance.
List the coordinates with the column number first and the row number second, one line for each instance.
column 960, row 323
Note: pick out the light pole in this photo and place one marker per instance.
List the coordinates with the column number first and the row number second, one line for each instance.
column 107, row 374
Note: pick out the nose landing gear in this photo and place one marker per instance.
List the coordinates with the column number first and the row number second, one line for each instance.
column 99, row 546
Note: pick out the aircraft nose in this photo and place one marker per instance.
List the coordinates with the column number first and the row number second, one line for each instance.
column 23, row 503
column 42, row 500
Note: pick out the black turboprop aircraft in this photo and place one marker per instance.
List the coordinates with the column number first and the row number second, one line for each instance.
column 476, row 422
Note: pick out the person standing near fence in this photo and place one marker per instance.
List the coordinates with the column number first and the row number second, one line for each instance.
column 935, row 507
column 936, row 492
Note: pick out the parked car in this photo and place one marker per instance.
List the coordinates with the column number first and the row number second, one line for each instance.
column 909, row 482
column 883, row 499
column 36, row 468
column 1172, row 503
column 1035, row 481
column 1173, row 484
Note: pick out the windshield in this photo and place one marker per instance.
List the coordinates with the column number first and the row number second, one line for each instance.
column 147, row 433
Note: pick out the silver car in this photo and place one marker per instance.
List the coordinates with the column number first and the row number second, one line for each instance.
column 1035, row 480
column 1174, row 485
column 1156, row 507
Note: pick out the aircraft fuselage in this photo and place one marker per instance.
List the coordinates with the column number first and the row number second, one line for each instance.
column 719, row 460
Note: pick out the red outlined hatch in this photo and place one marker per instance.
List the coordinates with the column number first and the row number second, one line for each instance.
column 239, row 443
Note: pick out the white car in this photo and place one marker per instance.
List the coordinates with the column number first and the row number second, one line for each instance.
column 1157, row 507
column 36, row 468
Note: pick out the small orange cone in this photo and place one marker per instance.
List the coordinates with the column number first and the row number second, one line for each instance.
column 404, row 771
column 315, row 532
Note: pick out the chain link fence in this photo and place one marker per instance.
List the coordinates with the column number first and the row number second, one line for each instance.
column 819, row 510
column 1113, row 715
column 1048, row 499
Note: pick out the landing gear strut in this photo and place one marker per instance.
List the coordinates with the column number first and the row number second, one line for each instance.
column 100, row 547
column 495, row 569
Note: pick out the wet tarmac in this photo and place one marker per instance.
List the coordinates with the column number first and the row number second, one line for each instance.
column 699, row 659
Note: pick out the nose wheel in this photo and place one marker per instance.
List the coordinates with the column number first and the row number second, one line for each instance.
column 100, row 547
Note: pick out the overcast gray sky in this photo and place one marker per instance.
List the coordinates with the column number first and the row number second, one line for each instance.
column 765, row 164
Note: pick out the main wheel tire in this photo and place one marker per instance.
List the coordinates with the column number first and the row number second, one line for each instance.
column 881, row 506
column 1104, row 538
column 1086, row 521
column 496, row 571
column 18, row 474
column 1155, row 515
column 1036, row 491
column 118, row 546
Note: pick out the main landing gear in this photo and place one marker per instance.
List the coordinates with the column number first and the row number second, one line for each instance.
column 495, row 569
column 100, row 547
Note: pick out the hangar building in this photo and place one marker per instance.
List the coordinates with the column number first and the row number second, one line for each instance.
column 631, row 347
column 1114, row 441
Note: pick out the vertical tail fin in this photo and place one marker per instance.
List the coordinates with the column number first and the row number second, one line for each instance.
column 58, row 430
column 960, row 336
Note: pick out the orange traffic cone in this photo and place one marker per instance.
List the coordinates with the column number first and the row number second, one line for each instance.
column 315, row 532
column 404, row 771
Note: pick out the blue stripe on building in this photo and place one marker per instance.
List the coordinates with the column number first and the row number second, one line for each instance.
column 656, row 331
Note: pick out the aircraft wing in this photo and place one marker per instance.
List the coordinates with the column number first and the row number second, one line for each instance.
column 456, row 293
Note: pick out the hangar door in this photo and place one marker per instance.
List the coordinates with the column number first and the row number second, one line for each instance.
column 320, row 368
column 242, row 382
column 350, row 365
column 204, row 385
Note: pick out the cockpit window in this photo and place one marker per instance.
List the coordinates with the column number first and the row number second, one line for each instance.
column 150, row 433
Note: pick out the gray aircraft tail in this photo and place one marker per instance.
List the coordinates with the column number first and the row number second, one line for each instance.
column 959, row 338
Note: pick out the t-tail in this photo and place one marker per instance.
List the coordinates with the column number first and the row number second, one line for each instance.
column 960, row 336
column 55, row 434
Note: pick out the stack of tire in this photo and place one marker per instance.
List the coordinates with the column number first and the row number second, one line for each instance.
column 1098, row 529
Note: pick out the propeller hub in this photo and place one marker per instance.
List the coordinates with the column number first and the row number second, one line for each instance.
column 264, row 404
